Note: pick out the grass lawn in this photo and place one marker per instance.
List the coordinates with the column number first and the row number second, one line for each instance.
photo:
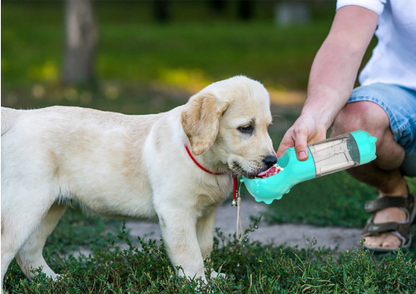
column 145, row 67
column 251, row 267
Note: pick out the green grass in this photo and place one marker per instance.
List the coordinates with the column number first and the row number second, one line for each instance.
column 251, row 267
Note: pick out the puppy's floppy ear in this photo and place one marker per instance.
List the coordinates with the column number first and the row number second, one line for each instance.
column 201, row 120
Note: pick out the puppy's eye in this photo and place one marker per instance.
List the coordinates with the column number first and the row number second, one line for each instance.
column 248, row 129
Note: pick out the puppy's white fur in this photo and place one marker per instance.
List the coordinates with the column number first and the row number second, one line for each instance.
column 130, row 166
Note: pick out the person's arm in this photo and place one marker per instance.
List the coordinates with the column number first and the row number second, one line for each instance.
column 332, row 77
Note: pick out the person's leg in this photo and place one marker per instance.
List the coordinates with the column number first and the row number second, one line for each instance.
column 384, row 172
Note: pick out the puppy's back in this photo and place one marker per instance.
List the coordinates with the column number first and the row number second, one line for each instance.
column 8, row 117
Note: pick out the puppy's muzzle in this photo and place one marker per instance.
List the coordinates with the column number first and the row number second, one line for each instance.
column 269, row 161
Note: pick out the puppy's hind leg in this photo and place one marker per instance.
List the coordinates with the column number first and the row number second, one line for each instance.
column 30, row 255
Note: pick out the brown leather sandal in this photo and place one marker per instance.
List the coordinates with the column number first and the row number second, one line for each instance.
column 400, row 229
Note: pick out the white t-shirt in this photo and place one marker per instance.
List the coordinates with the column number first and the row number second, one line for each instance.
column 394, row 58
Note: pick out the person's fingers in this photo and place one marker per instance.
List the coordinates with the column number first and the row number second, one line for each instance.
column 286, row 143
column 305, row 130
column 301, row 139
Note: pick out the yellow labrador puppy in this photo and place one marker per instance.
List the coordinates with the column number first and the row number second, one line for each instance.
column 135, row 166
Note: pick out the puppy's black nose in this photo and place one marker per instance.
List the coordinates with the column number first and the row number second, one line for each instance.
column 270, row 160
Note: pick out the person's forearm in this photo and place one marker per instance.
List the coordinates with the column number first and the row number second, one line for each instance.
column 336, row 64
column 331, row 80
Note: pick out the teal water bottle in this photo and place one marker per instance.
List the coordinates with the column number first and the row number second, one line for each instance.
column 325, row 157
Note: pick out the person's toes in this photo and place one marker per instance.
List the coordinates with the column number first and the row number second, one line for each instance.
column 391, row 241
column 387, row 240
column 372, row 241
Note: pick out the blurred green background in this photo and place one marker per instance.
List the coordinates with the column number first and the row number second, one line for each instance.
column 197, row 43
column 150, row 60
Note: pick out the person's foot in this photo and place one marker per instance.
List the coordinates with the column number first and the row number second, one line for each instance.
column 388, row 240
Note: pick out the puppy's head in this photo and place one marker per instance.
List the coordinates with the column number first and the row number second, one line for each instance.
column 229, row 120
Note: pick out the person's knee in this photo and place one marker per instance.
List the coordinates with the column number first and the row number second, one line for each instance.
column 364, row 115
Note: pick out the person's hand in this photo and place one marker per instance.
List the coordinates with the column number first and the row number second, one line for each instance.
column 305, row 130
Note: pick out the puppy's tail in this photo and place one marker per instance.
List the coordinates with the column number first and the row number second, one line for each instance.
column 8, row 117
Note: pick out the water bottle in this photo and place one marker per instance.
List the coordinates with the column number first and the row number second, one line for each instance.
column 325, row 157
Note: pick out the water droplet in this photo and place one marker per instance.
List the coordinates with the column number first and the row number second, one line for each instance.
column 238, row 265
column 256, row 227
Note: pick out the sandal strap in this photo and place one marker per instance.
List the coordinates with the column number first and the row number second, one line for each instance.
column 401, row 229
column 405, row 202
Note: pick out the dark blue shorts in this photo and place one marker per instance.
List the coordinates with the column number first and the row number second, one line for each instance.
column 400, row 105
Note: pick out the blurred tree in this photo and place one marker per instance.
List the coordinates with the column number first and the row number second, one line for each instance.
column 245, row 9
column 161, row 11
column 80, row 43
column 217, row 5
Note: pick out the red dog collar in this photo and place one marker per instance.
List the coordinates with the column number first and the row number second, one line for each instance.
column 235, row 190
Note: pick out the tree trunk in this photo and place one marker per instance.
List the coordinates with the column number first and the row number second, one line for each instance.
column 245, row 9
column 161, row 11
column 80, row 43
column 217, row 5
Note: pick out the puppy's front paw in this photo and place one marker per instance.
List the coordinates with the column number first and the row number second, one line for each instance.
column 215, row 275
column 56, row 277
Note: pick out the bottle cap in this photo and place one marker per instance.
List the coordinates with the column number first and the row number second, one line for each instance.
column 366, row 146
